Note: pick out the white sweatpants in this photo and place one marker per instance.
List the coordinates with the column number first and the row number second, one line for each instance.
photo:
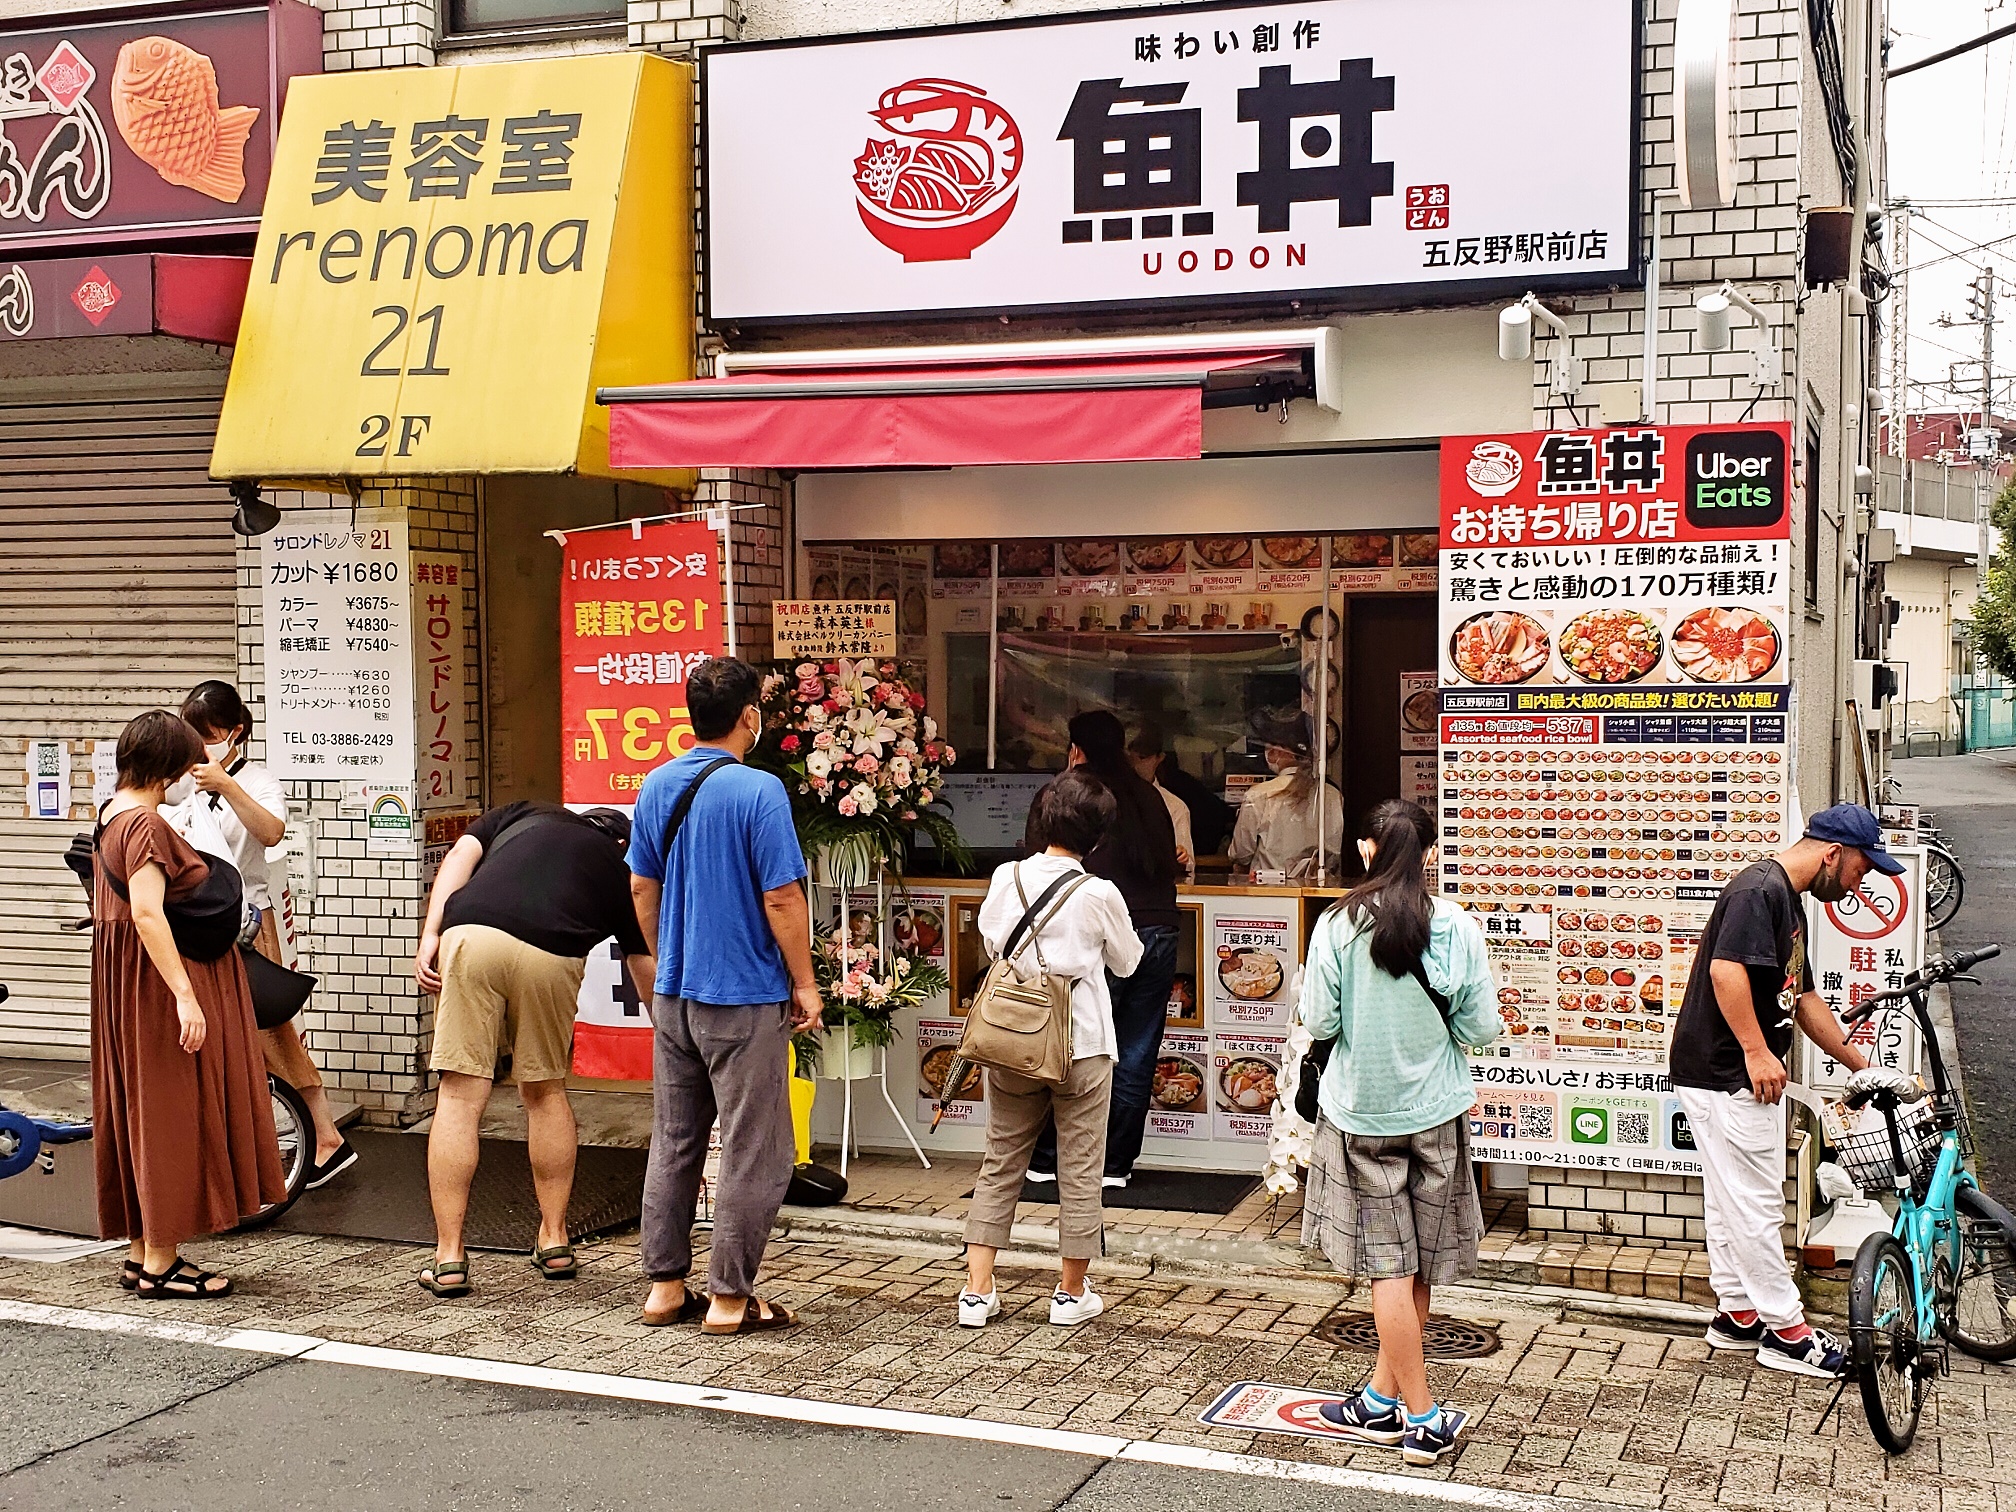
column 1742, row 1145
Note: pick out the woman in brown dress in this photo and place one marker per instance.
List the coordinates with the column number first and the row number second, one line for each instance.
column 183, row 1120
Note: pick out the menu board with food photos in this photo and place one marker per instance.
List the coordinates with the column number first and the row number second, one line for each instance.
column 1615, row 739
column 1244, row 1068
column 1250, row 961
column 1171, row 567
column 937, row 1048
column 1179, row 1095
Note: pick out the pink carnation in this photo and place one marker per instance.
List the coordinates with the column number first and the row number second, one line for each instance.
column 788, row 744
column 917, row 701
column 847, row 806
column 867, row 766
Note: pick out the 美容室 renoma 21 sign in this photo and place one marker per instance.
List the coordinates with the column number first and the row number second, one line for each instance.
column 451, row 260
column 1365, row 151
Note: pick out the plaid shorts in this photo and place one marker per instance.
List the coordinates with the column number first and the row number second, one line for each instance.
column 1386, row 1206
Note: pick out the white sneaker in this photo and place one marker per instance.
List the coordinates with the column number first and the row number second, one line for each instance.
column 1112, row 1181
column 1066, row 1310
column 975, row 1310
column 1039, row 1175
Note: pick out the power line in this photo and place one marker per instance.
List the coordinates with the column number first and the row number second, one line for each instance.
column 1953, row 52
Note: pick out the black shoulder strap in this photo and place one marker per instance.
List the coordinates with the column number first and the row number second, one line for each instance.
column 684, row 803
column 1441, row 1003
column 1014, row 941
column 524, row 824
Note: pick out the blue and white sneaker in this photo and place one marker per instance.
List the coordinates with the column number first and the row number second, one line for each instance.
column 1724, row 1332
column 1363, row 1418
column 1818, row 1354
column 1425, row 1443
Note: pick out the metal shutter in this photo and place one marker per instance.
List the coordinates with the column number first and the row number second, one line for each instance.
column 116, row 595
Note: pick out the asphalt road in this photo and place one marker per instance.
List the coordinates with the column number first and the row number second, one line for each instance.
column 105, row 1421
column 1974, row 798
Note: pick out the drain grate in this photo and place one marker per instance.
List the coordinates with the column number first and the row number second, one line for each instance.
column 1443, row 1338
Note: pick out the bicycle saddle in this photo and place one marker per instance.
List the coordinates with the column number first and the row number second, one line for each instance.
column 1885, row 1088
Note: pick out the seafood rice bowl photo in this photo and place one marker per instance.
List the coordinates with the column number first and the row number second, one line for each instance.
column 1502, row 646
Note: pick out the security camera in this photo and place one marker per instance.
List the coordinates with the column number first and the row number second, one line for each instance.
column 1515, row 334
column 1713, row 310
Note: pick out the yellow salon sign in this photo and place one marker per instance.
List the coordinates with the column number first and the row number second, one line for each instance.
column 452, row 260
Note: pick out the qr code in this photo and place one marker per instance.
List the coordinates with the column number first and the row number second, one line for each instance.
column 1631, row 1128
column 1536, row 1121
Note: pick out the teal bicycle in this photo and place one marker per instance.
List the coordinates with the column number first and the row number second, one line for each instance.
column 1946, row 1272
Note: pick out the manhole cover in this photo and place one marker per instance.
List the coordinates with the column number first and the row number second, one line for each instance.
column 1443, row 1338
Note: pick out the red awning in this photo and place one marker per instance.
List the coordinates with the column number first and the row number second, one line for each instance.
column 1144, row 410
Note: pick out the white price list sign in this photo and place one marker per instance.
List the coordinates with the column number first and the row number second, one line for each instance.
column 338, row 611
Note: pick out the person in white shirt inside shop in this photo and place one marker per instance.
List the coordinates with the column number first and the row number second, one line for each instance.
column 1281, row 819
column 243, row 805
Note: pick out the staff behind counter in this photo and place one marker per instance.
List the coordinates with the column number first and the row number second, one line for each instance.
column 1277, row 836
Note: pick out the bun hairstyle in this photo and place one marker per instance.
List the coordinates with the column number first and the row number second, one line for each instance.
column 215, row 708
column 1394, row 893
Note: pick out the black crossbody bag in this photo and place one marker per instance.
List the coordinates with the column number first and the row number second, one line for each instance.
column 1317, row 1056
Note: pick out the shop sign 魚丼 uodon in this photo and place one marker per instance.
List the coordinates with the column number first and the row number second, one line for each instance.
column 1353, row 151
column 453, row 259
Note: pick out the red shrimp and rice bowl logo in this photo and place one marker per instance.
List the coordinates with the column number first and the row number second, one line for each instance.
column 944, row 180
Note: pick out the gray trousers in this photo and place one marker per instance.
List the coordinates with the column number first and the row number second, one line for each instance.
column 733, row 1061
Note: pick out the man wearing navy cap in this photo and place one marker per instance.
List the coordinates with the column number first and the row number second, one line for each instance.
column 1749, row 986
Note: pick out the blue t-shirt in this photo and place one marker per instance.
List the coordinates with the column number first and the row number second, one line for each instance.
column 738, row 842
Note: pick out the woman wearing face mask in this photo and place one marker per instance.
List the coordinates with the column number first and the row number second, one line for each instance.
column 184, row 1125
column 1278, row 822
column 243, row 806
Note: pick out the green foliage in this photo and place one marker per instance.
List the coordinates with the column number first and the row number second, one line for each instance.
column 1995, row 613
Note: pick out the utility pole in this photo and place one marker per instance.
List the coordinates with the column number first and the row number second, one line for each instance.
column 1981, row 305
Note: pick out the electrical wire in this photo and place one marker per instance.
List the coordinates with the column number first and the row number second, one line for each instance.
column 1833, row 87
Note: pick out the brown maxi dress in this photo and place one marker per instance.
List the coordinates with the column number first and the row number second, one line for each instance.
column 185, row 1142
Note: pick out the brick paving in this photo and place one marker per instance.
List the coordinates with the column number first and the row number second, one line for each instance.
column 1628, row 1413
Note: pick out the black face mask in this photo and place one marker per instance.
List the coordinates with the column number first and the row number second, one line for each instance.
column 1829, row 886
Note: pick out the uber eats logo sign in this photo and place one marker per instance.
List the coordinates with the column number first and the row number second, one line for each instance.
column 1735, row 480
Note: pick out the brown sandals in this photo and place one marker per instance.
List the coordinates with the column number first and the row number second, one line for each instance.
column 753, row 1320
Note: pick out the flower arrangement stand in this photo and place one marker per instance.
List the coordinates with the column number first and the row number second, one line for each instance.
column 849, row 1134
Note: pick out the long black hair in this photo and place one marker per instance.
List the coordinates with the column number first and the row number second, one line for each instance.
column 1142, row 835
column 1395, row 892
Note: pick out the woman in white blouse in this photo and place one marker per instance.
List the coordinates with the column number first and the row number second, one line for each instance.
column 1085, row 932
column 244, row 805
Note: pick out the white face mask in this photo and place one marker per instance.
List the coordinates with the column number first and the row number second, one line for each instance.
column 218, row 751
column 180, row 790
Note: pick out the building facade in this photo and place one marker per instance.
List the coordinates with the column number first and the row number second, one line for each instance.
column 1803, row 121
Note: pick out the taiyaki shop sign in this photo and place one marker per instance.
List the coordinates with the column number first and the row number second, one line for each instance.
column 153, row 125
column 1354, row 152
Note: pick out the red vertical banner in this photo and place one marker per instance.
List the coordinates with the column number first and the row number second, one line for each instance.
column 639, row 610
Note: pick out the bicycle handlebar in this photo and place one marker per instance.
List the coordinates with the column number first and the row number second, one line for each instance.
column 1942, row 970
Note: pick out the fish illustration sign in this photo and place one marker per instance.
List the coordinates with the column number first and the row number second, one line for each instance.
column 146, row 127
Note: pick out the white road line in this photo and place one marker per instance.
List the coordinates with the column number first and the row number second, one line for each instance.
column 307, row 1347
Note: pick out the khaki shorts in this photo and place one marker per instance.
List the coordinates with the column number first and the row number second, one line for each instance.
column 500, row 996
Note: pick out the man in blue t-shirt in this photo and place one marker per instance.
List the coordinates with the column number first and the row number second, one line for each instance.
column 723, row 909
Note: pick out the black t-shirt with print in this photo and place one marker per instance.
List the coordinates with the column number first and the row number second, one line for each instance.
column 1759, row 924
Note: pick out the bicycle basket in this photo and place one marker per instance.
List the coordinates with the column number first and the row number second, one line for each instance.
column 1866, row 1155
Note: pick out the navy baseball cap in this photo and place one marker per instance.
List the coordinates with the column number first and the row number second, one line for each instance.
column 1852, row 824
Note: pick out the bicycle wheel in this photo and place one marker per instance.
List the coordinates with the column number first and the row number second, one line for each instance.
column 296, row 1133
column 1944, row 887
column 1883, row 1330
column 1982, row 1317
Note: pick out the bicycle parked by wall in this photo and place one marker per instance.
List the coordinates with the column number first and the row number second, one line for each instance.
column 26, row 1141
column 1945, row 883
column 1946, row 1272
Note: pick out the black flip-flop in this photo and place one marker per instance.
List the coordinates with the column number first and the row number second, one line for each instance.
column 430, row 1277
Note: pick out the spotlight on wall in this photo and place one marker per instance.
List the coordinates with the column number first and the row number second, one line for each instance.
column 1515, row 344
column 1767, row 369
column 254, row 516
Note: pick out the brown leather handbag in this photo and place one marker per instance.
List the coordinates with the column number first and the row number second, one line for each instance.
column 1021, row 1022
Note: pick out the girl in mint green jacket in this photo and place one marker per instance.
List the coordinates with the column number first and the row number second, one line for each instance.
column 1391, row 1196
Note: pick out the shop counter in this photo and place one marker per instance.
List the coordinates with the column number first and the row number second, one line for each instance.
column 1239, row 953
